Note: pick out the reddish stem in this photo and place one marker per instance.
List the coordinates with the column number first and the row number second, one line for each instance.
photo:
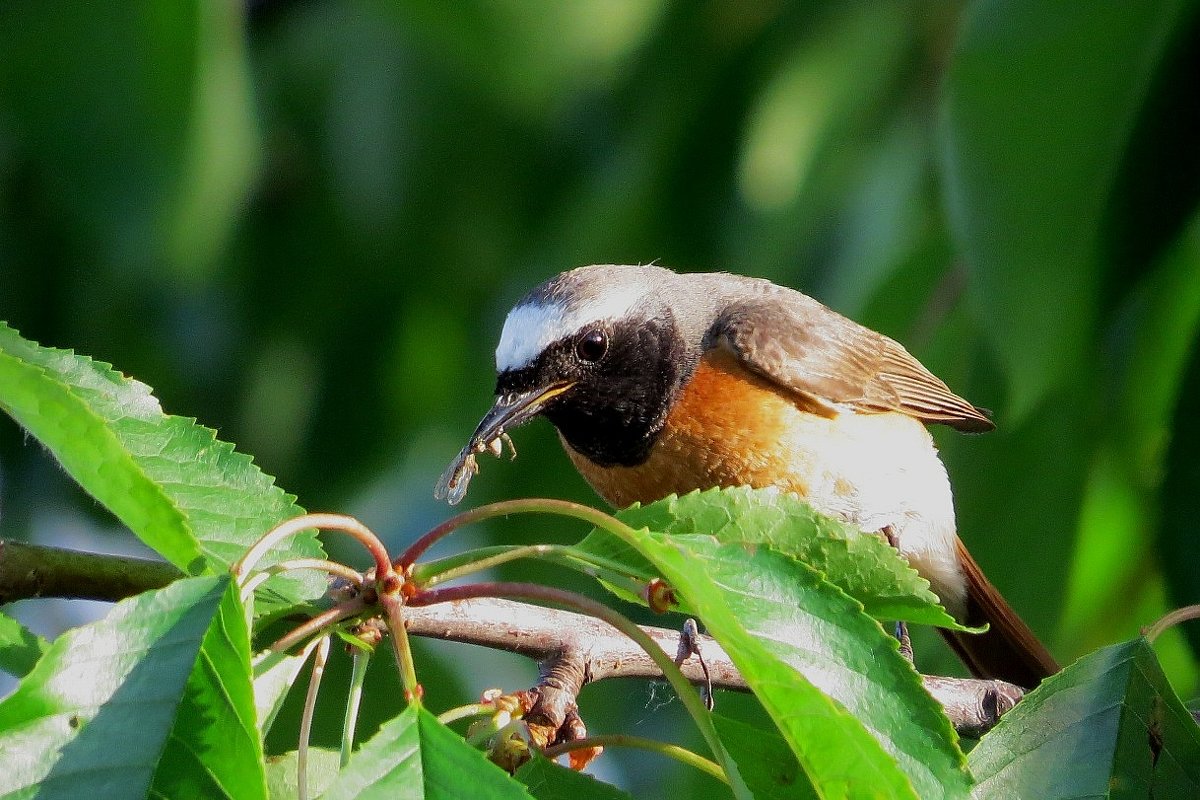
column 326, row 618
column 526, row 591
column 333, row 522
column 393, row 610
column 503, row 508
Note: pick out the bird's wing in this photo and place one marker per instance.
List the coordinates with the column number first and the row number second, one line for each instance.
column 831, row 361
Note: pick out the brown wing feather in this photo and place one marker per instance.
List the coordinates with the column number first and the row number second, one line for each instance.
column 800, row 344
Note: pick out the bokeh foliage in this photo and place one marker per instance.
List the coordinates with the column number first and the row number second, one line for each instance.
column 302, row 223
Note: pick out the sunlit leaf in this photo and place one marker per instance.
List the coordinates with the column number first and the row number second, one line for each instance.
column 155, row 697
column 865, row 567
column 188, row 495
column 214, row 749
column 852, row 710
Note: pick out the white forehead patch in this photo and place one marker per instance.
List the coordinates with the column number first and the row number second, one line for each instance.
column 533, row 326
column 528, row 329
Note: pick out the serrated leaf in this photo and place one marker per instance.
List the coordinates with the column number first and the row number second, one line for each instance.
column 865, row 567
column 214, row 750
column 323, row 767
column 113, row 708
column 415, row 756
column 850, row 707
column 20, row 648
column 186, row 494
column 1109, row 725
column 547, row 780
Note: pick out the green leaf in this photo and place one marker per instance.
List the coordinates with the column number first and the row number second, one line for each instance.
column 183, row 492
column 154, row 697
column 865, row 567
column 851, row 708
column 764, row 760
column 215, row 749
column 414, row 755
column 323, row 767
column 1107, row 726
column 20, row 648
column 547, row 780
column 1039, row 111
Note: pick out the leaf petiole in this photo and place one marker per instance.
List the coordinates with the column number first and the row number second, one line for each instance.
column 472, row 561
column 537, row 505
column 463, row 712
column 310, row 704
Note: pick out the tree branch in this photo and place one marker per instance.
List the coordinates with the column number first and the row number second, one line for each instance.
column 572, row 649
column 30, row 570
column 577, row 650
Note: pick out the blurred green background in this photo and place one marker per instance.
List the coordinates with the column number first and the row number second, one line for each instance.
column 303, row 223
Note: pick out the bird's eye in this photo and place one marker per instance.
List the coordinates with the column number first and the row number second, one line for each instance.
column 592, row 346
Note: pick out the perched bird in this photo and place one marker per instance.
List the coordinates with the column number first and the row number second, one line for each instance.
column 662, row 383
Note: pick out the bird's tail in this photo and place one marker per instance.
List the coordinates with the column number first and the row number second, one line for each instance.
column 1009, row 650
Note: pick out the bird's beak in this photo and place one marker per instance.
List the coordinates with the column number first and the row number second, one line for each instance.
column 508, row 412
column 511, row 411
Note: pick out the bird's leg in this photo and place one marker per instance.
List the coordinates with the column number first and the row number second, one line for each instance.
column 901, row 630
column 689, row 645
column 901, row 634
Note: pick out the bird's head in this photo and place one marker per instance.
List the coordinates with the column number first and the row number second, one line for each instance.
column 599, row 351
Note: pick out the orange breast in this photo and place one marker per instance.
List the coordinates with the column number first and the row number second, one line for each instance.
column 875, row 470
column 729, row 427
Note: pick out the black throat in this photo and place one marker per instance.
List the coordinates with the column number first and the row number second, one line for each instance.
column 616, row 412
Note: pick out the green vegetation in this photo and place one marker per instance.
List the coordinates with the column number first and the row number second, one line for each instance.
column 302, row 224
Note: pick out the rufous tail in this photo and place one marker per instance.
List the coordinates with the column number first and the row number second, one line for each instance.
column 1009, row 650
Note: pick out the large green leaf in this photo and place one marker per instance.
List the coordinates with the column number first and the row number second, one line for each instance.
column 20, row 648
column 1040, row 107
column 850, row 707
column 182, row 491
column 214, row 749
column 416, row 756
column 865, row 567
column 1107, row 726
column 155, row 698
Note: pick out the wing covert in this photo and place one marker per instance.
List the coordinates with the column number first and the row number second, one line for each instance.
column 830, row 361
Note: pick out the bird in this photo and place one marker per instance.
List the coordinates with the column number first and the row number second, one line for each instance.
column 661, row 382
